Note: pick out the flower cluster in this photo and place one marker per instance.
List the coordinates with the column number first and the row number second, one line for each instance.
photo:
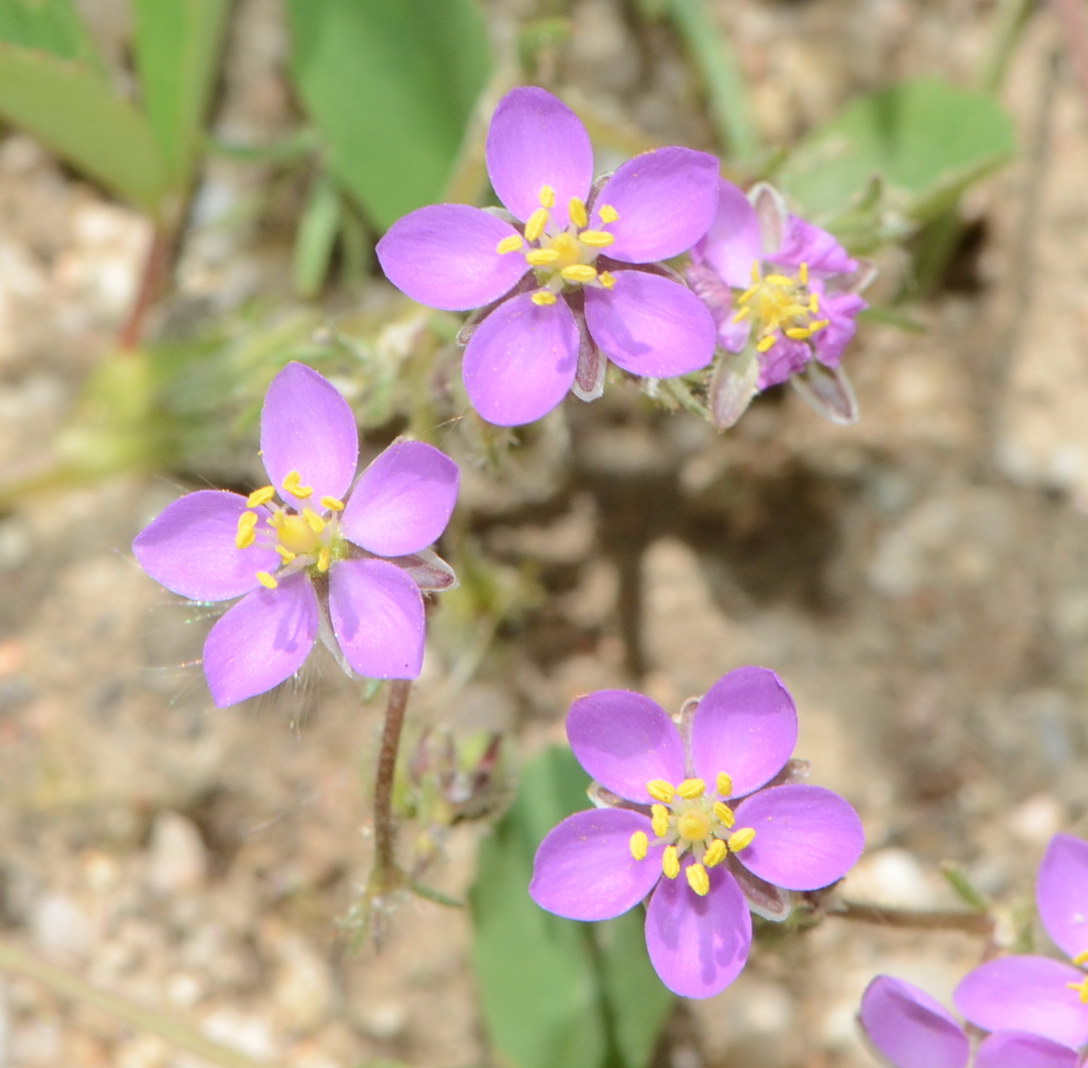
column 706, row 821
column 310, row 556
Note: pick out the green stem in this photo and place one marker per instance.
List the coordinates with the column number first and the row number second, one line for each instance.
column 979, row 923
column 1011, row 20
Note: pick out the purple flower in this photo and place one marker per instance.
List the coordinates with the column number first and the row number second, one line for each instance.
column 693, row 825
column 784, row 295
column 912, row 1030
column 572, row 264
column 1038, row 994
column 346, row 567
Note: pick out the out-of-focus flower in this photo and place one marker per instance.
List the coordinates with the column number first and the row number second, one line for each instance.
column 698, row 821
column 912, row 1030
column 572, row 265
column 784, row 295
column 319, row 561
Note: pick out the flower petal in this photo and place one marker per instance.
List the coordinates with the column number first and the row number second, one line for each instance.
column 664, row 199
column 733, row 245
column 584, row 869
column 1025, row 993
column 1015, row 1049
column 624, row 740
column 910, row 1028
column 403, row 500
column 261, row 641
column 746, row 725
column 521, row 361
column 806, row 836
column 805, row 243
column 1061, row 894
column 377, row 616
column 536, row 140
column 650, row 325
column 698, row 945
column 189, row 548
column 307, row 426
column 445, row 256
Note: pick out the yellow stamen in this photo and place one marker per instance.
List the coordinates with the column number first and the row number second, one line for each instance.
column 607, row 279
column 1081, row 988
column 285, row 554
column 293, row 484
column 1081, row 958
column 802, row 273
column 799, row 333
column 778, row 280
column 541, row 257
column 659, row 818
column 698, row 879
column 260, row 496
column 693, row 825
column 245, row 535
column 725, row 784
column 766, row 343
column 755, row 274
column 334, row 504
column 690, row 789
column 509, row 244
column 608, row 213
column 715, row 853
column 266, row 580
column 597, row 238
column 670, row 863
column 820, row 324
column 813, row 303
column 660, row 790
column 742, row 314
column 324, row 558
column 724, row 814
column 741, row 839
column 576, row 209
column 579, row 272
column 542, row 298
column 639, row 845
column 535, row 226
column 547, row 196
column 313, row 520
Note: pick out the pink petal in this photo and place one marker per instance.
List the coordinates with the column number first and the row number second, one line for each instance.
column 665, row 200
column 377, row 616
column 624, row 740
column 1062, row 893
column 1026, row 993
column 521, row 361
column 584, row 869
column 190, row 548
column 445, row 256
column 1013, row 1049
column 650, row 325
column 698, row 945
column 403, row 500
column 910, row 1028
column 806, row 836
column 307, row 426
column 746, row 725
column 536, row 140
column 733, row 245
column 261, row 641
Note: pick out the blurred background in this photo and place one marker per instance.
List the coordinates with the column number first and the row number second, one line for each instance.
column 190, row 192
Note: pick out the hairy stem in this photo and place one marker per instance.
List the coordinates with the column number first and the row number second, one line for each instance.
column 385, row 832
column 979, row 923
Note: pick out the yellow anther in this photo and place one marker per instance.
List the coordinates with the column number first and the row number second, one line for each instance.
column 547, row 196
column 639, row 845
column 313, row 520
column 819, row 324
column 324, row 558
column 670, row 863
column 766, row 343
column 260, row 496
column 742, row 314
column 724, row 783
column 800, row 333
column 1081, row 988
column 608, row 213
column 1081, row 958
column 535, row 226
column 690, row 789
column 698, row 879
column 694, row 825
column 778, row 280
column 607, row 279
column 541, row 257
column 723, row 814
column 715, row 853
column 276, row 519
column 755, row 274
column 597, row 238
column 579, row 272
column 813, row 303
column 576, row 209
column 293, row 484
column 266, row 580
column 659, row 819
column 741, row 839
column 802, row 273
column 660, row 790
column 509, row 244
column 285, row 554
column 245, row 535
column 542, row 298
column 334, row 504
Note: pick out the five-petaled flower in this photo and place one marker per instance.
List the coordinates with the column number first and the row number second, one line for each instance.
column 912, row 1030
column 572, row 263
column 784, row 294
column 700, row 822
column 1033, row 993
column 320, row 561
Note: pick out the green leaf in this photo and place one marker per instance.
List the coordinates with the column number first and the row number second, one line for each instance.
column 391, row 85
column 927, row 139
column 177, row 44
column 316, row 237
column 49, row 26
column 73, row 110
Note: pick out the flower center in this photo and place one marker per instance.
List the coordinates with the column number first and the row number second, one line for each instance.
column 780, row 305
column 1082, row 987
column 305, row 540
column 686, row 818
column 565, row 258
